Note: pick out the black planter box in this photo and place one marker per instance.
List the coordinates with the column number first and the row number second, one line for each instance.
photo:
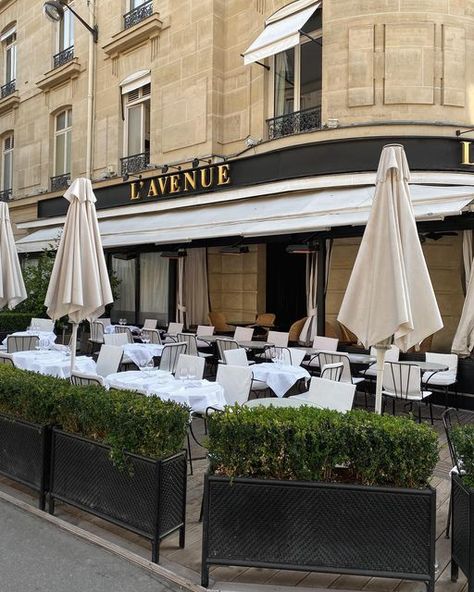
column 147, row 497
column 462, row 537
column 323, row 527
column 24, row 454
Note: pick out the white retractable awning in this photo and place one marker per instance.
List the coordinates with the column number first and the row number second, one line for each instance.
column 282, row 30
column 286, row 213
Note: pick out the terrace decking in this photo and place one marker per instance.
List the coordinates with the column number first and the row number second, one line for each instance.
column 186, row 562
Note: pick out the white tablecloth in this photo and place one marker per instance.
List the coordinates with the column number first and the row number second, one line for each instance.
column 279, row 377
column 108, row 329
column 142, row 353
column 52, row 363
column 47, row 338
column 196, row 394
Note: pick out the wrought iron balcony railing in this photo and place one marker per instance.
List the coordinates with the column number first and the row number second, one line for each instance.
column 63, row 57
column 60, row 182
column 135, row 163
column 137, row 14
column 5, row 195
column 8, row 89
column 294, row 123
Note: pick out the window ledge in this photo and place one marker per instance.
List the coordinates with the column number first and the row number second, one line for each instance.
column 128, row 38
column 58, row 75
column 10, row 102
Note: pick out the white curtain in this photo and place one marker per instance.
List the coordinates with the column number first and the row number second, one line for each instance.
column 154, row 271
column 196, row 289
column 180, row 306
column 463, row 342
column 124, row 305
column 310, row 328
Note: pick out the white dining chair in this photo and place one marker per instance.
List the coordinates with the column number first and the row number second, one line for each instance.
column 172, row 332
column 321, row 343
column 243, row 334
column 82, row 379
column 238, row 357
column 19, row 343
column 296, row 355
column 391, row 355
column 223, row 345
column 96, row 334
column 191, row 366
column 105, row 321
column 329, row 357
column 236, row 382
column 332, row 371
column 6, row 359
column 150, row 324
column 170, row 356
column 126, row 331
column 275, row 339
column 329, row 394
column 116, row 339
column 153, row 335
column 204, row 331
column 403, row 381
column 42, row 324
column 109, row 360
column 443, row 381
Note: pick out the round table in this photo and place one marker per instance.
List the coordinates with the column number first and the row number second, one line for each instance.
column 354, row 358
column 255, row 345
column 52, row 363
column 426, row 366
column 279, row 377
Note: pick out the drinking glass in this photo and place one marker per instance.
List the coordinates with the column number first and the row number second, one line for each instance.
column 183, row 374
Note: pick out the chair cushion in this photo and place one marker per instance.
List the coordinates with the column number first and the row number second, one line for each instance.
column 439, row 379
column 423, row 395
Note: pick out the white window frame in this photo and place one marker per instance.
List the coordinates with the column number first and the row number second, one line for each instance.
column 10, row 47
column 132, row 2
column 61, row 30
column 127, row 106
column 64, row 131
column 317, row 35
column 4, row 153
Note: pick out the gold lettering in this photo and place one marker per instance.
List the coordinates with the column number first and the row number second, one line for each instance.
column 162, row 182
column 207, row 180
column 466, row 153
column 153, row 191
column 175, row 187
column 224, row 174
column 189, row 179
column 135, row 189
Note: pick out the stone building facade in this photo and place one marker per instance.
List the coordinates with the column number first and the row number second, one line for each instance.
column 170, row 85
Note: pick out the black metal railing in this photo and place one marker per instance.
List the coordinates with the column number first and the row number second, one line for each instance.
column 294, row 123
column 5, row 195
column 137, row 14
column 8, row 89
column 63, row 57
column 60, row 182
column 134, row 163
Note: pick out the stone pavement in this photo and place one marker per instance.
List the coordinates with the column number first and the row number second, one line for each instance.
column 37, row 556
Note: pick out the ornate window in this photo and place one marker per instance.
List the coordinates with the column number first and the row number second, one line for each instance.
column 62, row 150
column 9, row 49
column 137, row 125
column 139, row 10
column 65, row 42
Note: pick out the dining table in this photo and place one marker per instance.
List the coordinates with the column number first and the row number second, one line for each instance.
column 110, row 329
column 142, row 354
column 354, row 358
column 278, row 376
column 197, row 394
column 52, row 362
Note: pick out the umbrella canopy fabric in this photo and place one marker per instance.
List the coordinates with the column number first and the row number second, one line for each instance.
column 390, row 292
column 12, row 286
column 463, row 342
column 79, row 286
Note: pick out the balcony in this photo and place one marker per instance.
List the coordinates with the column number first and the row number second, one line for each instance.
column 60, row 182
column 63, row 57
column 135, row 163
column 8, row 89
column 137, row 14
column 5, row 195
column 294, row 123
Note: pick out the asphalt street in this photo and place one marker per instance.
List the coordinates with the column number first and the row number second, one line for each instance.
column 36, row 556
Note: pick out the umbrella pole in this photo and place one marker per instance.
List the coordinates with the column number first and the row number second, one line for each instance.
column 381, row 348
column 73, row 345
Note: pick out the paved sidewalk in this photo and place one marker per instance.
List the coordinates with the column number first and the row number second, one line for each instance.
column 36, row 556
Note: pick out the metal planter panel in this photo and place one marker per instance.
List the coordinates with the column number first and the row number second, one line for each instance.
column 462, row 537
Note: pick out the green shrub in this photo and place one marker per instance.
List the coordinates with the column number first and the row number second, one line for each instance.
column 463, row 442
column 122, row 419
column 14, row 321
column 321, row 445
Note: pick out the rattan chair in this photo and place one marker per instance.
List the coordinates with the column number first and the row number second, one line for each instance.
column 170, row 356
column 219, row 322
column 295, row 330
column 19, row 343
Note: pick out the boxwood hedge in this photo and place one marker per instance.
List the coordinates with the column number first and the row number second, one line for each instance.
column 14, row 321
column 463, row 441
column 321, row 445
column 122, row 419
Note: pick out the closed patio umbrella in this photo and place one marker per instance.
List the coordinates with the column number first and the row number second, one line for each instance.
column 79, row 286
column 463, row 342
column 389, row 292
column 12, row 287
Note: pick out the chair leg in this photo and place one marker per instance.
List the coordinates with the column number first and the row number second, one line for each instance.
column 190, row 458
column 431, row 412
column 419, row 413
column 448, row 522
column 446, row 395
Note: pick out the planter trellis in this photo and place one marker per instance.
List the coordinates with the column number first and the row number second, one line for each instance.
column 462, row 534
column 325, row 527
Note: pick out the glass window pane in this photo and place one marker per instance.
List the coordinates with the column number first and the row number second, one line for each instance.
column 146, row 106
column 124, row 305
column 136, row 3
column 135, row 145
column 66, row 35
column 61, row 121
column 60, row 155
column 154, row 288
column 311, row 75
column 7, row 169
column 67, row 162
column 284, row 82
column 10, row 64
